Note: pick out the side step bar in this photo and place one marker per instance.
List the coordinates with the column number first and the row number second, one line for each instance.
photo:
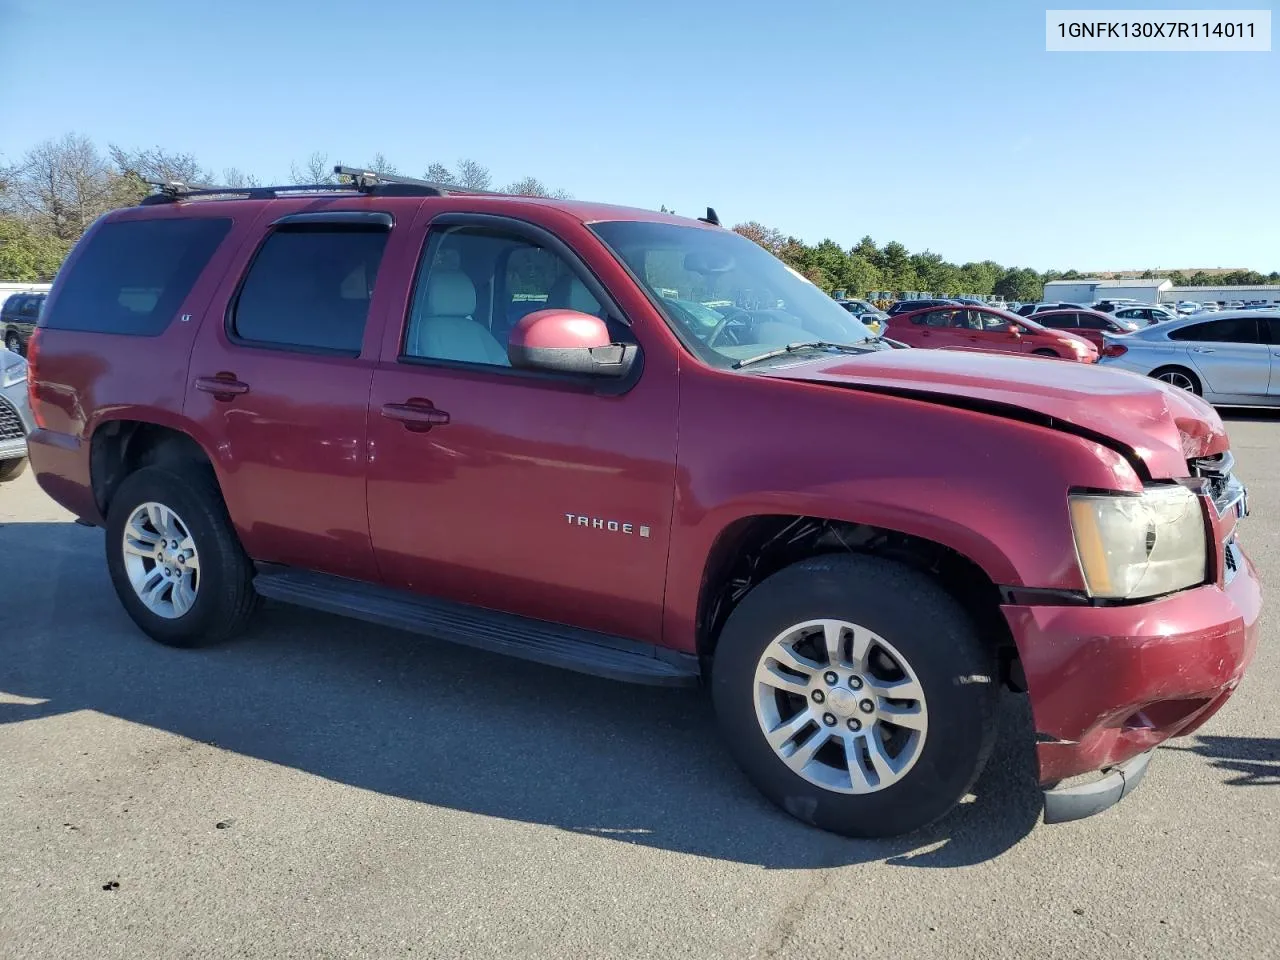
column 572, row 648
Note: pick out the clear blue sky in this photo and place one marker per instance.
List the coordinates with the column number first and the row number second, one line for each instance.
column 943, row 125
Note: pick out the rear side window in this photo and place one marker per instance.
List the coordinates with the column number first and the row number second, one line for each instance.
column 309, row 288
column 133, row 275
column 1230, row 330
column 1058, row 321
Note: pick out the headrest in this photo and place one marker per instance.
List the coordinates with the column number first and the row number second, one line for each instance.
column 450, row 293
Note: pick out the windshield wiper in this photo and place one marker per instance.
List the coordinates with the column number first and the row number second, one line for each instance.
column 804, row 345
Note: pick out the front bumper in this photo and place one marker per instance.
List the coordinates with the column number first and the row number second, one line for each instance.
column 1108, row 683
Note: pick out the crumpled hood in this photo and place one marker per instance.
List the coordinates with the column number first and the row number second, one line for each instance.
column 1162, row 425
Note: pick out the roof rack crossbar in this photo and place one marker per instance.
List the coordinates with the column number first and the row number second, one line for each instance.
column 371, row 179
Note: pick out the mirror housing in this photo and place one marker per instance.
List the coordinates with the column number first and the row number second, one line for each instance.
column 568, row 342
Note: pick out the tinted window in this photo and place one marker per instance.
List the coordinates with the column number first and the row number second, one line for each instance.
column 13, row 306
column 1229, row 330
column 1089, row 322
column 938, row 318
column 310, row 287
column 133, row 275
column 1271, row 325
column 30, row 308
column 475, row 285
column 1058, row 321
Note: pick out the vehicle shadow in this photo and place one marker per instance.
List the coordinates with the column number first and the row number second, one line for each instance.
column 446, row 726
column 1254, row 760
column 1243, row 414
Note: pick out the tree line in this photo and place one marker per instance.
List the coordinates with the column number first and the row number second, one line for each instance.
column 51, row 195
column 866, row 267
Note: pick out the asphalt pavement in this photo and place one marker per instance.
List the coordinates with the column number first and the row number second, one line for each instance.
column 321, row 788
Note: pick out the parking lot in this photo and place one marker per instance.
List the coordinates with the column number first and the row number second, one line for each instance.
column 323, row 788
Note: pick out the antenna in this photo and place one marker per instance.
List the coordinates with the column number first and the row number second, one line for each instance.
column 710, row 218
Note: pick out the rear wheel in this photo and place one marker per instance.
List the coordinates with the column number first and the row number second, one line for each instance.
column 13, row 342
column 1043, row 352
column 1179, row 377
column 12, row 469
column 174, row 558
column 856, row 694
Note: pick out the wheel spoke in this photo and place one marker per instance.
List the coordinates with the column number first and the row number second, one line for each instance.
column 802, row 754
column 833, row 634
column 192, row 563
column 858, row 778
column 136, row 548
column 769, row 673
column 157, row 516
column 861, row 647
column 904, row 689
column 780, row 735
column 153, row 588
column 879, row 759
column 913, row 718
column 783, row 653
column 183, row 596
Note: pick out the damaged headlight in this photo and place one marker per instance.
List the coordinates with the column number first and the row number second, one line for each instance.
column 1131, row 547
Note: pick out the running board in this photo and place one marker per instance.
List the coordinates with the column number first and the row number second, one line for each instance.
column 572, row 648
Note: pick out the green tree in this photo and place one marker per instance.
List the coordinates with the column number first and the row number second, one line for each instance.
column 1022, row 285
column 860, row 275
column 26, row 254
column 896, row 269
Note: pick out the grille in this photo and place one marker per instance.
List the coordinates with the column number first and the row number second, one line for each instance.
column 1224, row 489
column 11, row 427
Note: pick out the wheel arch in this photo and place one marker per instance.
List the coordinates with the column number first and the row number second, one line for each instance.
column 120, row 446
column 751, row 548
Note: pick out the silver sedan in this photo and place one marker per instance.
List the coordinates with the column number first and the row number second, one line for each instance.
column 1229, row 358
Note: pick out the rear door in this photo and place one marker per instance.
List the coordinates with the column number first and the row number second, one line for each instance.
column 936, row 328
column 1229, row 355
column 1092, row 327
column 279, row 381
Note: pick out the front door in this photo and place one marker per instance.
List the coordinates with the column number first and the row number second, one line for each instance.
column 990, row 331
column 279, row 382
column 545, row 497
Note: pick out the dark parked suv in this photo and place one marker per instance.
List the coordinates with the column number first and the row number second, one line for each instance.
column 639, row 446
column 18, row 319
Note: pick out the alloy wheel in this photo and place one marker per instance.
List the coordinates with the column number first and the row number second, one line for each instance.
column 840, row 706
column 161, row 560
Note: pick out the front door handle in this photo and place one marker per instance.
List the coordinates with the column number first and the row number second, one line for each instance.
column 417, row 414
column 1202, row 349
column 224, row 386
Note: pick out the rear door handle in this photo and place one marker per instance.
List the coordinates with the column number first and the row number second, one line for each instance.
column 223, row 387
column 417, row 414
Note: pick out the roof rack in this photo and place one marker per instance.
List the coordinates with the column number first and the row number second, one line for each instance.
column 358, row 180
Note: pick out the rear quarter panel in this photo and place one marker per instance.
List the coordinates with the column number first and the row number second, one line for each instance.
column 88, row 379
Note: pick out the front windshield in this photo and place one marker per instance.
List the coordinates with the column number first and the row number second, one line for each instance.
column 727, row 298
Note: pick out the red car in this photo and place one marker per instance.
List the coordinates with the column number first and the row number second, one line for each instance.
column 976, row 328
column 639, row 446
column 1090, row 324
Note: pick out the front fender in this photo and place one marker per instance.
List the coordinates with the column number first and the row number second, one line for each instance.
column 993, row 490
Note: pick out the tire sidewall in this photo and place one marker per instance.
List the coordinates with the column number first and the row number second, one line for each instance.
column 159, row 485
column 938, row 640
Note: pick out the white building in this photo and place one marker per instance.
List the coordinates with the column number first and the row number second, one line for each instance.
column 1270, row 292
column 1087, row 290
column 10, row 287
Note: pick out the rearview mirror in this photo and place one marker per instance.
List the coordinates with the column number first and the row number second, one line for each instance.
column 566, row 341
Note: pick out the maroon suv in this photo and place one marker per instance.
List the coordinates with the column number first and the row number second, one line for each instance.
column 639, row 446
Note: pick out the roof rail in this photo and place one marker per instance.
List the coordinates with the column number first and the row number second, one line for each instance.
column 357, row 180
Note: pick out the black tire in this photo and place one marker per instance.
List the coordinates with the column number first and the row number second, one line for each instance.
column 12, row 469
column 956, row 670
column 1044, row 352
column 13, row 342
column 225, row 598
column 1196, row 386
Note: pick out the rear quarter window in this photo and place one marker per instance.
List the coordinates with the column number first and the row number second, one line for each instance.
column 133, row 275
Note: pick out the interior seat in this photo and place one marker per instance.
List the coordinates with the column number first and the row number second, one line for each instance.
column 446, row 330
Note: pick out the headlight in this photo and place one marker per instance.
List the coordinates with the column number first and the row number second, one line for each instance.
column 14, row 373
column 1132, row 547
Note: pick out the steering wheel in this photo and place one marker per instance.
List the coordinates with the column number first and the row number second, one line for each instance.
column 737, row 315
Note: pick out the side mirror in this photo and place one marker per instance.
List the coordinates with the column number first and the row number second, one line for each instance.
column 566, row 341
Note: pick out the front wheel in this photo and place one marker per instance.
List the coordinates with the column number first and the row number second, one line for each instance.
column 856, row 694
column 174, row 558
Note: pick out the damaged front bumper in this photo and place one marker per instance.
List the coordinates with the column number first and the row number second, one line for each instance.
column 1110, row 683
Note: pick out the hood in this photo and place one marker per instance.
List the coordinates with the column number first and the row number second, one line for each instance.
column 1159, row 425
